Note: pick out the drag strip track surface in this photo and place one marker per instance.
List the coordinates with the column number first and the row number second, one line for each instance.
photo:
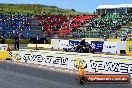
column 20, row 76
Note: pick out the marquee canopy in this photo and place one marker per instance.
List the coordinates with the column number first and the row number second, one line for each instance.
column 114, row 6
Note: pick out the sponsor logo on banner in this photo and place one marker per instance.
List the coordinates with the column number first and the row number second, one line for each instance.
column 97, row 45
column 109, row 66
column 129, row 47
column 108, row 78
column 46, row 59
column 110, row 46
column 63, row 44
column 98, row 66
column 79, row 63
column 72, row 42
column 16, row 56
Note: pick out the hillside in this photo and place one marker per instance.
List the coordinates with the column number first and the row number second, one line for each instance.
column 35, row 9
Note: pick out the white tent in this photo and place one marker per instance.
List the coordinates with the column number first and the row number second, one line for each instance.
column 107, row 7
column 125, row 6
column 121, row 8
column 114, row 6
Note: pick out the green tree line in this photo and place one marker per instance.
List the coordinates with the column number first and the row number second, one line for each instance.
column 35, row 9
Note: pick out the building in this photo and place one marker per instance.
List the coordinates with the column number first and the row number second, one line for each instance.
column 122, row 8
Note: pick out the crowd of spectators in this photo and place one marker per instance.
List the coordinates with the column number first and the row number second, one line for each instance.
column 109, row 22
column 12, row 24
column 62, row 24
column 106, row 23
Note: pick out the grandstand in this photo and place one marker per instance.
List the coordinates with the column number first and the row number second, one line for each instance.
column 121, row 9
column 78, row 25
column 107, row 24
column 10, row 25
column 62, row 25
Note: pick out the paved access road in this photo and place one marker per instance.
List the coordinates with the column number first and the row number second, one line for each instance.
column 20, row 76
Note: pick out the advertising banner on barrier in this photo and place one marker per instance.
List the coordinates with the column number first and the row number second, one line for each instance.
column 74, row 42
column 97, row 45
column 68, row 43
column 4, row 54
column 110, row 47
column 105, row 65
column 121, row 46
column 63, row 44
column 3, row 46
column 128, row 47
column 100, row 46
column 55, row 43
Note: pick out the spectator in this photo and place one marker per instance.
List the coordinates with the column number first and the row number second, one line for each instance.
column 16, row 42
column 31, row 40
column 104, row 38
column 38, row 38
column 34, row 40
column 46, row 41
column 3, row 40
column 116, row 35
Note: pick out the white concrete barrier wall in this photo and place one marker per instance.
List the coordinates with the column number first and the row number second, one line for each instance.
column 3, row 46
column 108, row 46
column 92, row 63
column 121, row 46
column 114, row 47
column 55, row 43
column 63, row 44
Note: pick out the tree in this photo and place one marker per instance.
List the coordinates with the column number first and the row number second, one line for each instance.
column 73, row 10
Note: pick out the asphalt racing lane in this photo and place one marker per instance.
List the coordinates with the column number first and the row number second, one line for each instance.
column 20, row 76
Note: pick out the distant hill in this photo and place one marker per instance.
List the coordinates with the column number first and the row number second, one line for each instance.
column 35, row 9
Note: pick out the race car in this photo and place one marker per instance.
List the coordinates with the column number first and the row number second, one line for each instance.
column 71, row 48
column 81, row 49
